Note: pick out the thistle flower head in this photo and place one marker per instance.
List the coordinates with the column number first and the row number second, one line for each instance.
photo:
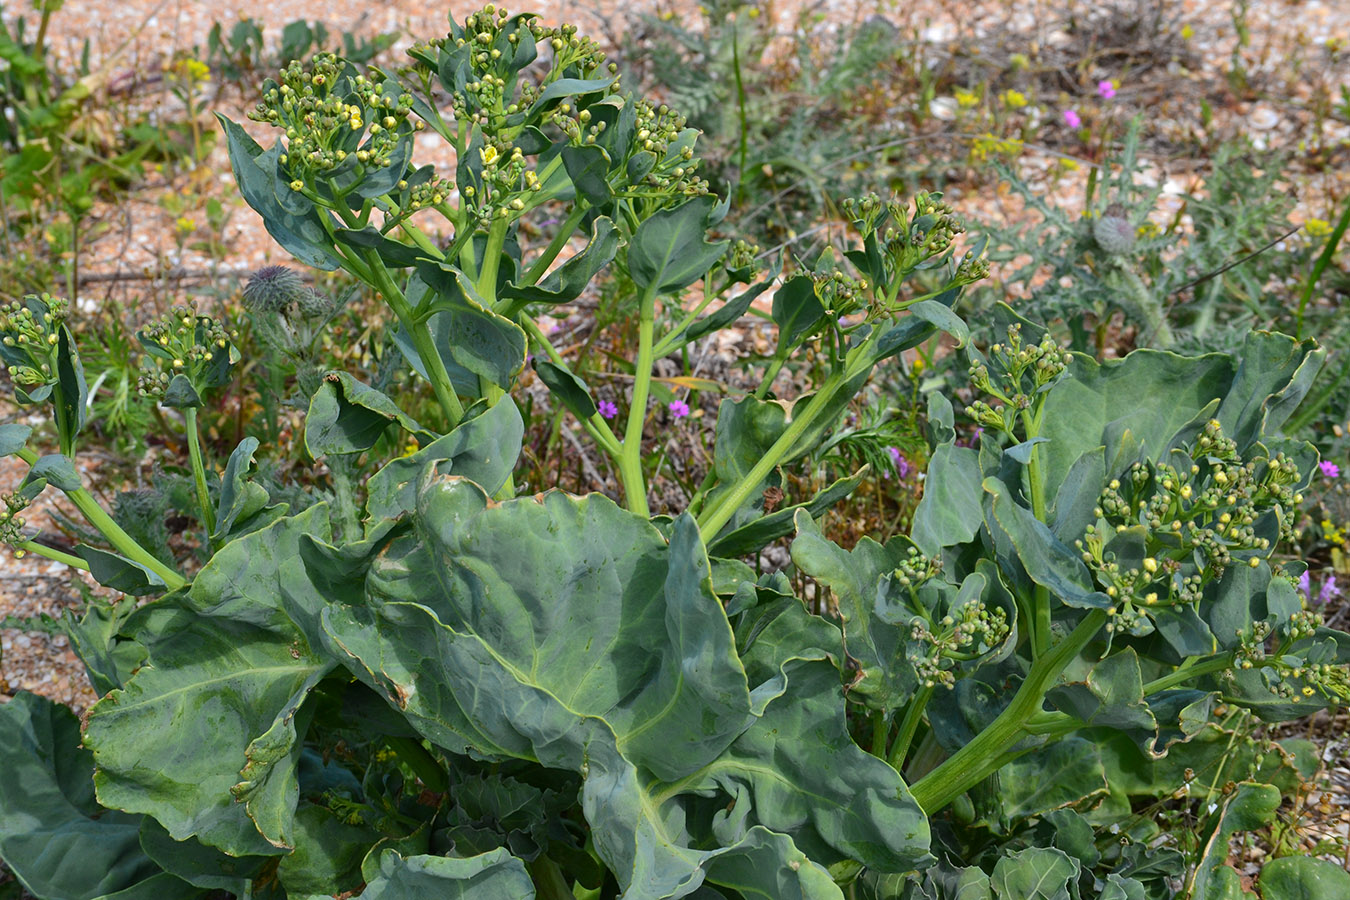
column 273, row 288
column 1113, row 232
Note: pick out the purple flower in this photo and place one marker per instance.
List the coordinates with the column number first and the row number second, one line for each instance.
column 1329, row 469
column 1072, row 119
column 678, row 408
column 1329, row 590
column 898, row 461
column 608, row 409
column 1106, row 90
column 1305, row 583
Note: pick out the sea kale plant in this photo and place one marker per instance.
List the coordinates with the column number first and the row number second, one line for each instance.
column 439, row 688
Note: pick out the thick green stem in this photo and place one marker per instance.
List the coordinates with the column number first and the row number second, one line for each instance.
column 549, row 881
column 51, row 553
column 975, row 761
column 425, row 766
column 718, row 515
column 492, row 258
column 565, row 231
column 1036, row 481
column 199, row 475
column 908, row 726
column 422, row 340
column 880, row 731
column 630, row 463
column 770, row 375
column 121, row 541
column 1195, row 670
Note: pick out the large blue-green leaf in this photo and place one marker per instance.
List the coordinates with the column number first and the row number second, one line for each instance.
column 566, row 282
column 886, row 678
column 347, row 416
column 669, row 250
column 491, row 876
column 1303, row 878
column 609, row 655
column 483, row 448
column 54, row 836
column 218, row 703
column 950, row 512
column 302, row 236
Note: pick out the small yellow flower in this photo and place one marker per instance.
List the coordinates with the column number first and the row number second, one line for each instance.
column 966, row 99
column 1317, row 227
column 1014, row 99
column 1187, row 32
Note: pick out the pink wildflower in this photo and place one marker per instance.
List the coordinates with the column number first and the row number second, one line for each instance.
column 1106, row 90
column 608, row 409
column 678, row 408
column 1072, row 119
column 1329, row 469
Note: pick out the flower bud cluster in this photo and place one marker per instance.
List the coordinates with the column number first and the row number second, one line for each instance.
column 1290, row 673
column 30, row 337
column 659, row 130
column 935, row 648
column 838, row 293
column 1015, row 374
column 11, row 523
column 181, row 342
column 326, row 111
column 742, row 260
column 506, row 182
column 1204, row 511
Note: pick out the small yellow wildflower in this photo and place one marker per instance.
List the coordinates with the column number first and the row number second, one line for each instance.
column 1317, row 227
column 1014, row 99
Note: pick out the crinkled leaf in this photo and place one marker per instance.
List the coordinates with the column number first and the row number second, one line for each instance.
column 483, row 448
column 1036, row 873
column 1061, row 774
column 218, row 704
column 490, row 876
column 346, row 416
column 557, row 662
column 1112, row 695
column 54, row 836
column 886, row 678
